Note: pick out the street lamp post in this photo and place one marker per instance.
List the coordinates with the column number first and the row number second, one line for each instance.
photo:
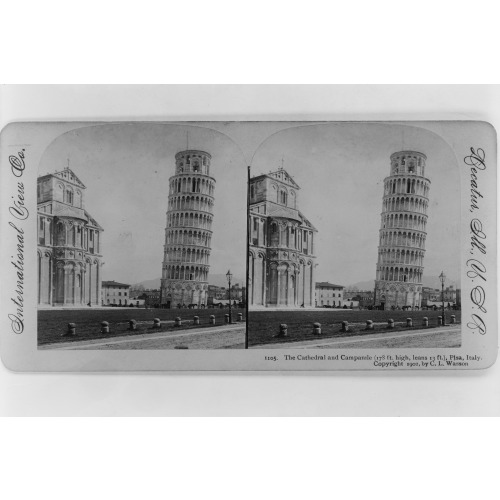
column 229, row 276
column 442, row 277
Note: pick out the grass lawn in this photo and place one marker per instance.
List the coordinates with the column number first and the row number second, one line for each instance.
column 53, row 323
column 263, row 326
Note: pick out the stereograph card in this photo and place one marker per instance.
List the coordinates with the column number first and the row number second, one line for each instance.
column 272, row 245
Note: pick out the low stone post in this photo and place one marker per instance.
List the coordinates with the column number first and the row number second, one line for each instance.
column 283, row 330
column 226, row 318
column 369, row 324
column 453, row 319
column 345, row 326
column 156, row 323
column 240, row 316
column 132, row 324
column 409, row 322
column 196, row 320
column 390, row 323
column 317, row 328
column 178, row 321
column 425, row 321
column 440, row 321
column 104, row 327
column 71, row 332
column 211, row 320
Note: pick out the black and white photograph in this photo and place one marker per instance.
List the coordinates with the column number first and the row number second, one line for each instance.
column 141, row 239
column 251, row 245
column 354, row 238
column 264, row 212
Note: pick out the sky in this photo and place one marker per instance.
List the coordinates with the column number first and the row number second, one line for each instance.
column 339, row 167
column 126, row 168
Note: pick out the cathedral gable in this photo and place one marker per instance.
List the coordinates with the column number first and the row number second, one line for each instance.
column 283, row 176
column 69, row 176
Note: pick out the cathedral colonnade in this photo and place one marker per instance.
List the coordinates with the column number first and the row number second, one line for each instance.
column 280, row 283
column 68, row 283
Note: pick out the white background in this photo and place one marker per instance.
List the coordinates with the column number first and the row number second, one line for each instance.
column 360, row 394
column 272, row 42
column 458, row 393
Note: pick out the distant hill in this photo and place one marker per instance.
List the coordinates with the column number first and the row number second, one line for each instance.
column 213, row 279
column 434, row 282
column 221, row 280
column 149, row 284
column 363, row 285
column 428, row 281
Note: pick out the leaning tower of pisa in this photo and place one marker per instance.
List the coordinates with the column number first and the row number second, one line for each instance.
column 188, row 233
column 401, row 248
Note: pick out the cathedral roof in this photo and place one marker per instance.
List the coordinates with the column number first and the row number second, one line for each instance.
column 284, row 213
column 61, row 210
column 92, row 221
column 306, row 222
column 325, row 284
column 113, row 283
column 280, row 211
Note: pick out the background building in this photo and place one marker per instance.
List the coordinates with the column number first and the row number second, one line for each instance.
column 115, row 294
column 238, row 293
column 69, row 243
column 434, row 297
column 281, row 252
column 401, row 249
column 220, row 295
column 364, row 298
column 188, row 233
column 215, row 294
column 150, row 298
column 329, row 295
column 451, row 295
column 430, row 296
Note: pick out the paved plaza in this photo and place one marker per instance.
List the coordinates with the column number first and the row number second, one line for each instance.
column 222, row 337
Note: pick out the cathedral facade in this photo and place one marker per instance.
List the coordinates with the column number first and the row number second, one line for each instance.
column 69, row 244
column 188, row 234
column 282, row 245
column 403, row 232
